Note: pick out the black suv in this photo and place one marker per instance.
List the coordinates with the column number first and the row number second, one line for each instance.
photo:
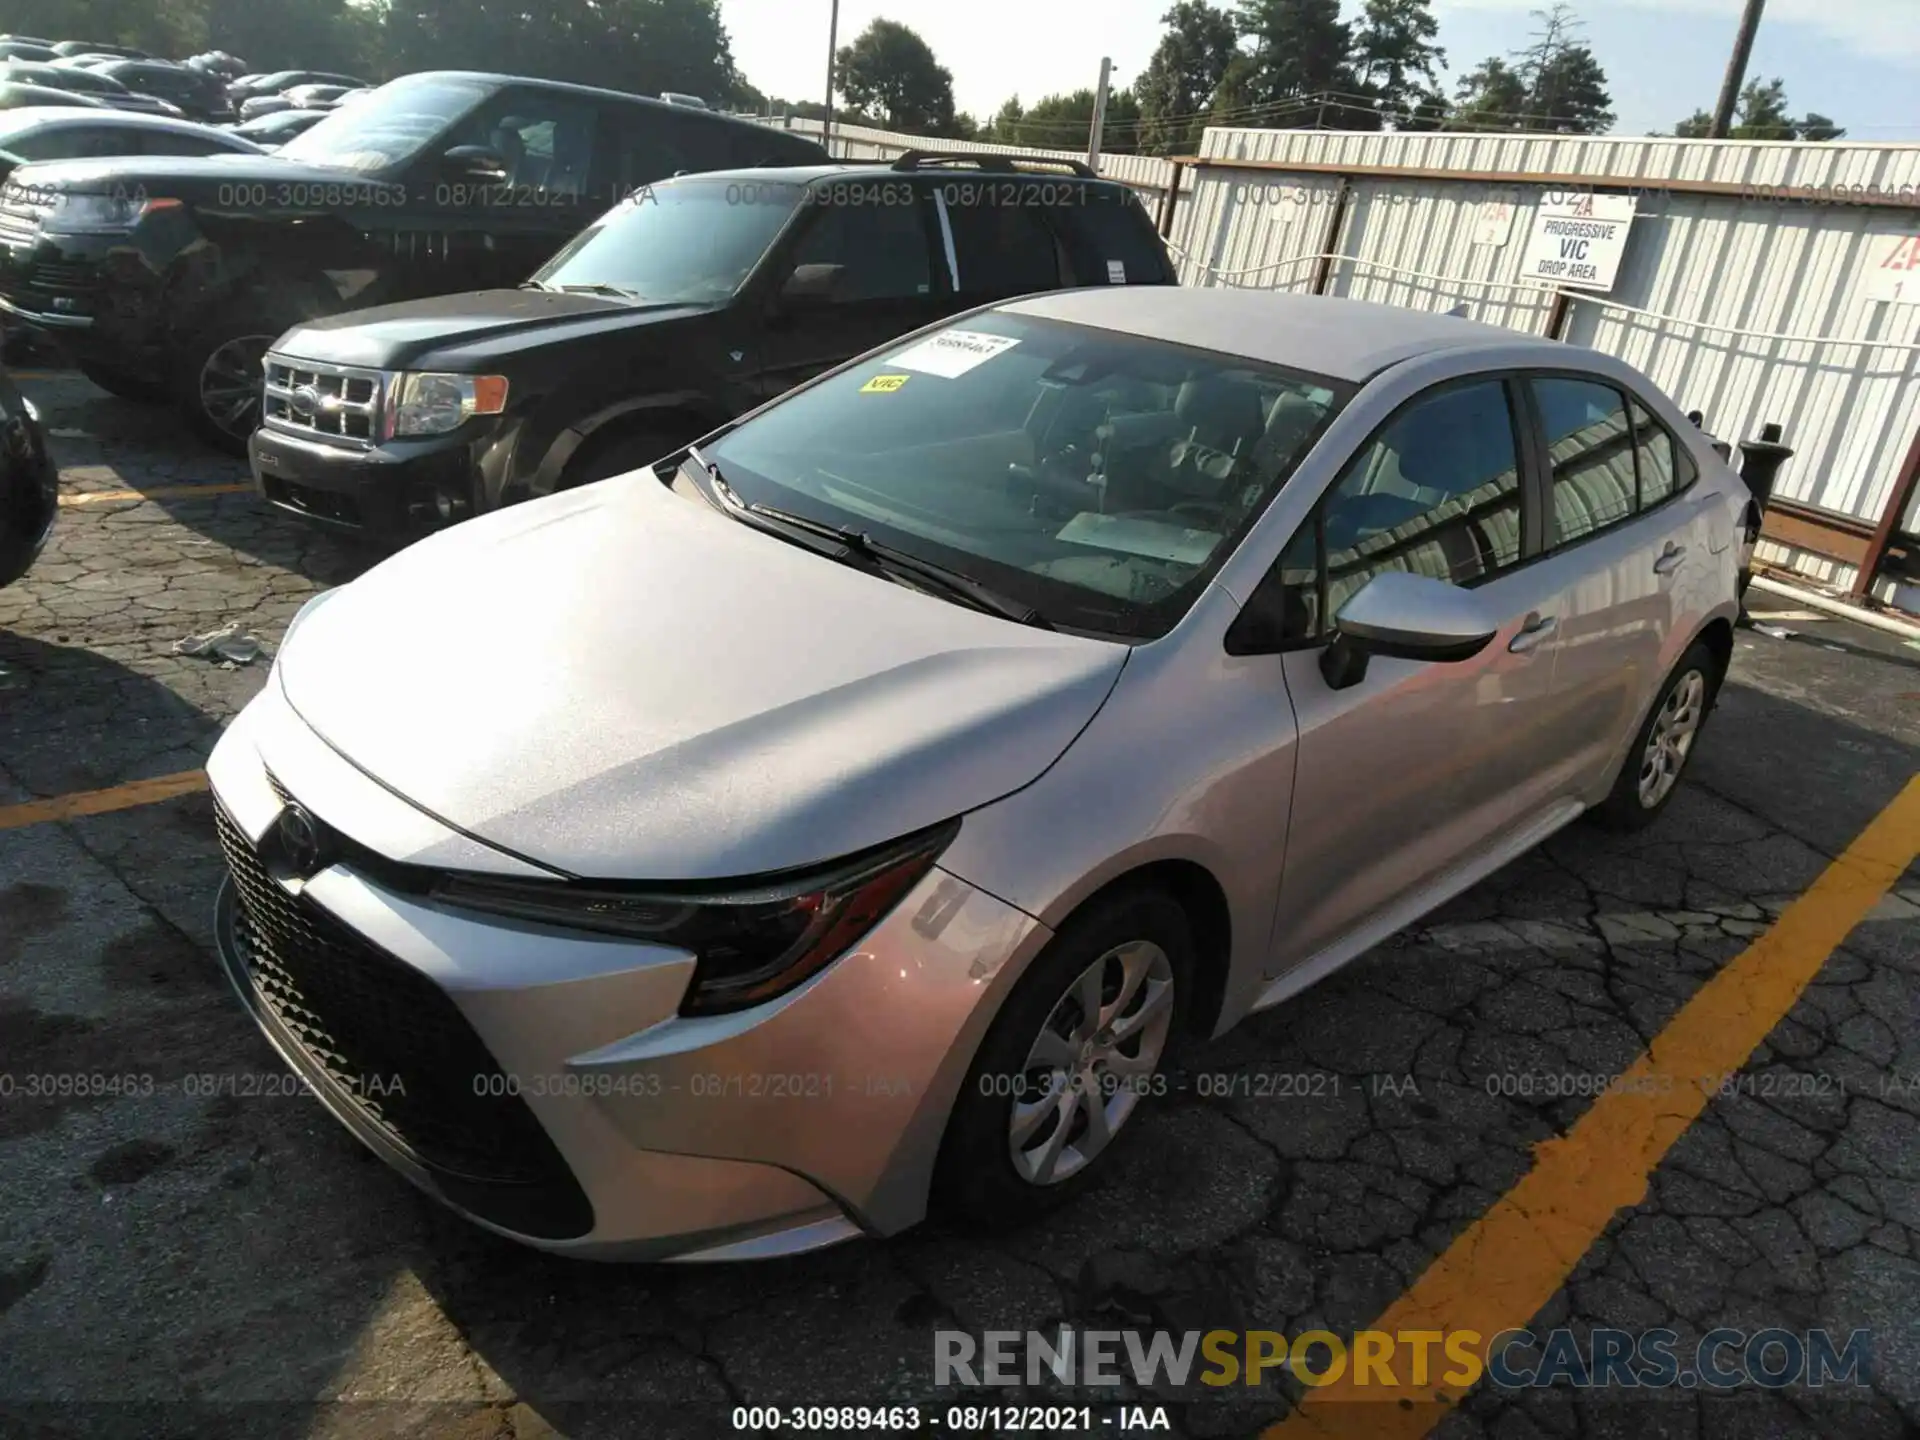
column 686, row 305
column 198, row 95
column 169, row 277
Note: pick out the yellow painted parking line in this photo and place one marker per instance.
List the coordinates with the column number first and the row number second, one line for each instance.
column 159, row 492
column 1509, row 1263
column 100, row 802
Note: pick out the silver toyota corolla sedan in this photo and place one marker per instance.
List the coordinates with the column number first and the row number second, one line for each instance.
column 846, row 816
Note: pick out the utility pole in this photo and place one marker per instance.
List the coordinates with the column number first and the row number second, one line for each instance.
column 1736, row 71
column 1099, row 130
column 833, row 45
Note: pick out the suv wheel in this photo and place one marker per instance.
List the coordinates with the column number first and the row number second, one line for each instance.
column 1068, row 1060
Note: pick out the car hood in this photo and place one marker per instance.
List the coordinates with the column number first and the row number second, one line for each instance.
column 466, row 332
column 197, row 179
column 618, row 682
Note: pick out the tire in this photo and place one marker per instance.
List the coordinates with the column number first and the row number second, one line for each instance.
column 125, row 385
column 1658, row 758
column 219, row 360
column 977, row 1181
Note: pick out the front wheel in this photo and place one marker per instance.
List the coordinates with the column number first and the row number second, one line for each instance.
column 1660, row 751
column 1074, row 1051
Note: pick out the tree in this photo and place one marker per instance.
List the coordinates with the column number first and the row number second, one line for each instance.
column 1557, row 86
column 1180, row 79
column 1762, row 114
column 1065, row 122
column 1300, row 65
column 891, row 72
column 1395, row 58
column 1566, row 90
column 1491, row 97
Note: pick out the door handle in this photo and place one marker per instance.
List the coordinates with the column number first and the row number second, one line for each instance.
column 1670, row 559
column 1536, row 629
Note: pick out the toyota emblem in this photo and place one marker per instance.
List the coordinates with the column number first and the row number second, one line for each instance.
column 299, row 836
column 304, row 402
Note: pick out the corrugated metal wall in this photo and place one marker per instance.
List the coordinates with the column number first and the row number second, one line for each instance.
column 1780, row 260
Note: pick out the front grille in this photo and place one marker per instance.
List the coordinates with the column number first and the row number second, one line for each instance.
column 406, row 1059
column 327, row 402
column 70, row 277
column 20, row 217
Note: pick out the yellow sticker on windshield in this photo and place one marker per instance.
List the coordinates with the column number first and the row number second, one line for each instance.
column 884, row 384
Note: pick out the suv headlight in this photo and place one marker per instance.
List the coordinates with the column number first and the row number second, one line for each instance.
column 431, row 403
column 753, row 942
column 86, row 214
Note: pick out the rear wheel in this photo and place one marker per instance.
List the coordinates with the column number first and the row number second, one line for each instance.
column 1073, row 1052
column 125, row 384
column 1665, row 744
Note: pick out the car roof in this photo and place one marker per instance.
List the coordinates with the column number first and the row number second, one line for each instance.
column 708, row 117
column 883, row 171
column 1351, row 340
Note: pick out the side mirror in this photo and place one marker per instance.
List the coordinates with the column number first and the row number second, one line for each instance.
column 1406, row 617
column 810, row 286
column 474, row 162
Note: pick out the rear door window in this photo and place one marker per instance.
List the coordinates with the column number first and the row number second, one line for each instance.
column 1001, row 246
column 1111, row 239
column 1666, row 469
column 1591, row 448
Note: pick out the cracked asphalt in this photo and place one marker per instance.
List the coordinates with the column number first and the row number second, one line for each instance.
column 177, row 1260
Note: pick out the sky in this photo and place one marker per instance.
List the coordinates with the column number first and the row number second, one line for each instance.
column 1857, row 61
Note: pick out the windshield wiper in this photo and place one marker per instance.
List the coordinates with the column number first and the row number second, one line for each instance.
column 885, row 559
column 600, row 288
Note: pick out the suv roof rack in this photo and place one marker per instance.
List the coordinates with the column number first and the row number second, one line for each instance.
column 1002, row 164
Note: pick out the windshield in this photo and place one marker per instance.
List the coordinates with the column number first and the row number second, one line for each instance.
column 685, row 241
column 390, row 125
column 1099, row 478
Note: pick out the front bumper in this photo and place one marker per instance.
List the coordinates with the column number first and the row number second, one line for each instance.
column 92, row 296
column 635, row 1133
column 387, row 495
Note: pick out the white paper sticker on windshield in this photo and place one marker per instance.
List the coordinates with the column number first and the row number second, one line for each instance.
column 952, row 353
column 1116, row 272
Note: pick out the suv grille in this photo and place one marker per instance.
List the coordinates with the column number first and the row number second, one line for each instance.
column 20, row 218
column 399, row 1048
column 328, row 402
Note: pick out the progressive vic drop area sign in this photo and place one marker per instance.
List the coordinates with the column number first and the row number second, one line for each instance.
column 1578, row 239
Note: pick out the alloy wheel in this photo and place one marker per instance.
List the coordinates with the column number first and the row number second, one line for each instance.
column 1091, row 1062
column 1671, row 739
column 231, row 384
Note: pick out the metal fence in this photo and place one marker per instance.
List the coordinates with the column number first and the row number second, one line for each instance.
column 1741, row 291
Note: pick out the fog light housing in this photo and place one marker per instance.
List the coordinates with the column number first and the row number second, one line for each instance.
column 450, row 505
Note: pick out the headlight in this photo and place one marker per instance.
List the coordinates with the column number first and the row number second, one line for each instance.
column 751, row 943
column 76, row 214
column 427, row 403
